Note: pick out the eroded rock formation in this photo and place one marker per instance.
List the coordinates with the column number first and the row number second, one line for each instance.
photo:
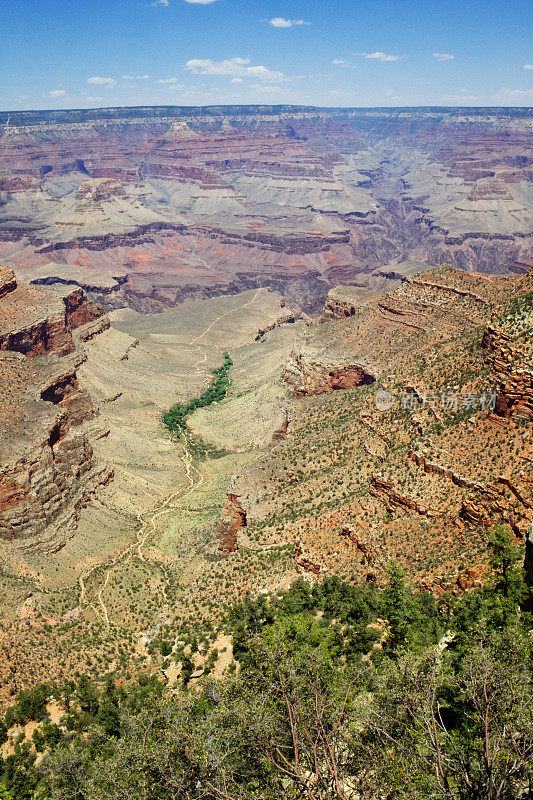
column 8, row 282
column 307, row 375
column 240, row 197
column 232, row 520
column 307, row 564
column 346, row 301
column 511, row 360
column 48, row 468
column 36, row 321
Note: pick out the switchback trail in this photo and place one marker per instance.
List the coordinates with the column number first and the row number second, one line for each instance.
column 148, row 526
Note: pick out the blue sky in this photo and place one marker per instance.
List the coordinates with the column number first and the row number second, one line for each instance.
column 93, row 53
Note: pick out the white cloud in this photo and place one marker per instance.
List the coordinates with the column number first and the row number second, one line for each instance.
column 443, row 56
column 97, row 80
column 341, row 62
column 163, row 3
column 93, row 99
column 167, row 80
column 56, row 93
column 280, row 22
column 200, row 2
column 135, row 77
column 178, row 87
column 236, row 80
column 234, row 67
column 505, row 94
column 528, row 66
column 379, row 56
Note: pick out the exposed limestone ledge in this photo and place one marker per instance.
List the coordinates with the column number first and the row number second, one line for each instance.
column 384, row 490
column 486, row 501
column 56, row 475
column 48, row 467
column 286, row 319
column 8, row 282
column 346, row 301
column 36, row 321
column 307, row 564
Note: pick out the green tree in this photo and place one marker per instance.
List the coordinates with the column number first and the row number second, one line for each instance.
column 396, row 606
column 507, row 590
column 108, row 716
column 67, row 693
column 87, row 695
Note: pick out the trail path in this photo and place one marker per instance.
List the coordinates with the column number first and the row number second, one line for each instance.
column 225, row 314
column 148, row 527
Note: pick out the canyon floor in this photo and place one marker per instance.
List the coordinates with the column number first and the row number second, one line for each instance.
column 149, row 535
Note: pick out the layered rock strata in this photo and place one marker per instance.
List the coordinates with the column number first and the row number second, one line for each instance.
column 48, row 468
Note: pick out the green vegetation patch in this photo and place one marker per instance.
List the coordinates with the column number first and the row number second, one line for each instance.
column 176, row 418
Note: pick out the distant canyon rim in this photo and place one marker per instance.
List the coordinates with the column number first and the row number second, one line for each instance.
column 150, row 207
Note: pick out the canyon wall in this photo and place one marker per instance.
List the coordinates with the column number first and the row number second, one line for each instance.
column 48, row 468
column 310, row 373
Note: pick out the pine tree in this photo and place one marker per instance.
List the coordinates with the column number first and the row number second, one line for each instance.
column 396, row 606
column 87, row 695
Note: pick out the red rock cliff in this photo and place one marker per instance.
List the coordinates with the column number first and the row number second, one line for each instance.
column 232, row 520
column 48, row 468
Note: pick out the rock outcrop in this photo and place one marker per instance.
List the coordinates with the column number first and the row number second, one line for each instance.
column 502, row 500
column 49, row 482
column 345, row 301
column 511, row 361
column 281, row 432
column 8, row 282
column 308, row 374
column 36, row 321
column 385, row 490
column 361, row 542
column 307, row 564
column 286, row 319
column 232, row 520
